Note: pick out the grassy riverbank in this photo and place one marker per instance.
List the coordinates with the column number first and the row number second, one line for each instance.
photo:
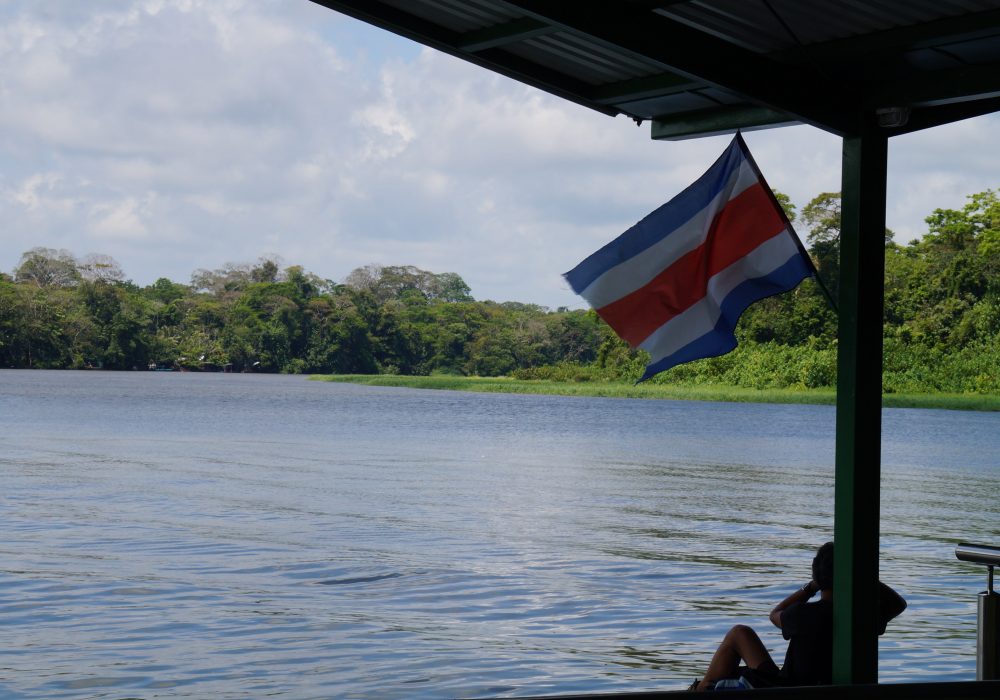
column 968, row 402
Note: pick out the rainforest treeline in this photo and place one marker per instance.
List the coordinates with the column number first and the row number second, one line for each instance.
column 942, row 318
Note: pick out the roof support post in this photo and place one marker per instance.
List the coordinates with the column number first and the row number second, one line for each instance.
column 859, row 409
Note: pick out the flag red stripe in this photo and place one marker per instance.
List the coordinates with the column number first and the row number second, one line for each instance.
column 747, row 220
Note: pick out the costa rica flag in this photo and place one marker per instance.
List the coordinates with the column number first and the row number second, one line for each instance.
column 677, row 282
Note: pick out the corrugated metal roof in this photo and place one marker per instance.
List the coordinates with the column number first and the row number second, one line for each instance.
column 768, row 61
column 457, row 15
column 773, row 25
column 585, row 59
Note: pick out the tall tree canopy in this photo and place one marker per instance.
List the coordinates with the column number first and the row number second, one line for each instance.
column 942, row 318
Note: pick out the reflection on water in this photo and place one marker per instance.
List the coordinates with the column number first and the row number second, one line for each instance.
column 237, row 536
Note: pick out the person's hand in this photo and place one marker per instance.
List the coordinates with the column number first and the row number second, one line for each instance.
column 810, row 588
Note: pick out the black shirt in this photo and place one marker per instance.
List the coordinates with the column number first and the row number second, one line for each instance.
column 808, row 627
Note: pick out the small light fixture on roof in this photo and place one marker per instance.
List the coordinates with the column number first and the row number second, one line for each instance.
column 892, row 117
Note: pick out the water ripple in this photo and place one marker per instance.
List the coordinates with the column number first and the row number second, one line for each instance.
column 165, row 536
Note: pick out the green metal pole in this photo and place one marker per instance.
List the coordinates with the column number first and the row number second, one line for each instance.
column 859, row 409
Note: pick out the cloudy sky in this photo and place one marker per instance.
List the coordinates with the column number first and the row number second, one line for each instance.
column 183, row 134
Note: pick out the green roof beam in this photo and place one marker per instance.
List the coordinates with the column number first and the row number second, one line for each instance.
column 641, row 88
column 717, row 120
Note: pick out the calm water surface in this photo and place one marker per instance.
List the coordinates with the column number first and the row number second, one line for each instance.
column 181, row 535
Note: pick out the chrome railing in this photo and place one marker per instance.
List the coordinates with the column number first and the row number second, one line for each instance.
column 988, row 629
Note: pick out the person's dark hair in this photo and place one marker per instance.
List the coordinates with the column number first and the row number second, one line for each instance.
column 823, row 567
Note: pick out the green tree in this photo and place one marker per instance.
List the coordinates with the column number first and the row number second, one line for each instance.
column 449, row 286
column 451, row 328
column 165, row 291
column 400, row 347
column 195, row 339
column 120, row 316
column 792, row 318
column 265, row 328
column 617, row 360
column 822, row 216
column 575, row 336
column 965, row 245
column 786, row 204
column 266, row 270
column 339, row 340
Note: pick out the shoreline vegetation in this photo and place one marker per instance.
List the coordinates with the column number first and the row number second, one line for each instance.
column 623, row 390
column 941, row 329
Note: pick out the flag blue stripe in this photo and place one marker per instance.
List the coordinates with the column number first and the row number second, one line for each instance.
column 722, row 338
column 659, row 224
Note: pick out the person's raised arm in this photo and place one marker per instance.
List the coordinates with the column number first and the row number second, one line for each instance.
column 799, row 596
column 890, row 605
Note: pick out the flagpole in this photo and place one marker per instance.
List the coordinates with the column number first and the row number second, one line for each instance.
column 788, row 223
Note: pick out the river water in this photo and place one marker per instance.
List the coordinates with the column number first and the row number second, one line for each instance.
column 233, row 536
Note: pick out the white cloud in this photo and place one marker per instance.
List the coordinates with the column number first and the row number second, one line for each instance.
column 123, row 219
column 185, row 134
column 28, row 195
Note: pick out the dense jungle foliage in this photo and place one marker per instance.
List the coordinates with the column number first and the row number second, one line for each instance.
column 942, row 319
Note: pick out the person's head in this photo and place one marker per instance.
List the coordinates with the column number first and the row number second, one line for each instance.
column 823, row 567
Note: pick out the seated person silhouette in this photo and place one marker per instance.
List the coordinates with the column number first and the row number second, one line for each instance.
column 808, row 627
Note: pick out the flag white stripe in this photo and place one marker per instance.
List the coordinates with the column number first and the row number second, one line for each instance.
column 701, row 317
column 638, row 271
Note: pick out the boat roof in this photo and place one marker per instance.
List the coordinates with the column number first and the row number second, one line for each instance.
column 702, row 67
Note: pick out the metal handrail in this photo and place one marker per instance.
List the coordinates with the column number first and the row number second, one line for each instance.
column 988, row 613
column 978, row 553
